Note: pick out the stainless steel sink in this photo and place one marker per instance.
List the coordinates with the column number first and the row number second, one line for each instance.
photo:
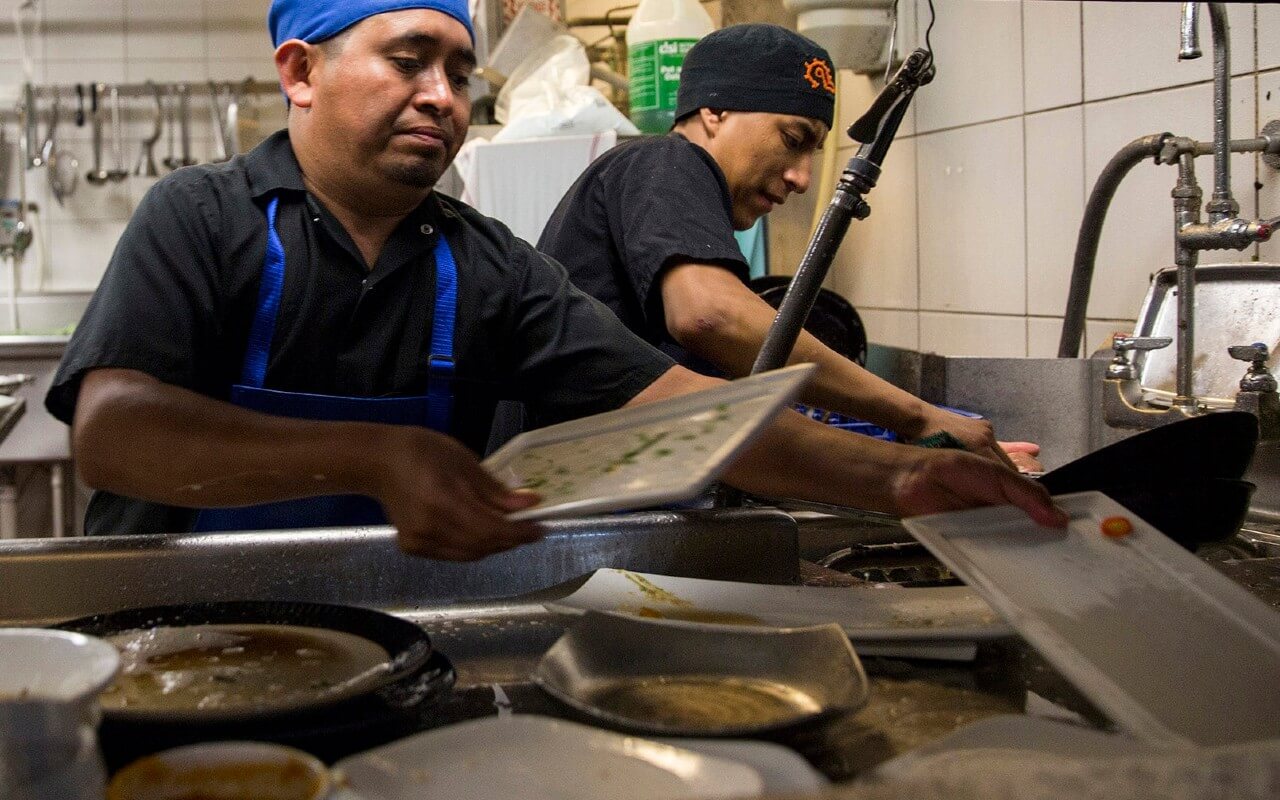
column 44, row 580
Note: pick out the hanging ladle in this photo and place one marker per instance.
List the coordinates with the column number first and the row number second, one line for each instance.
column 146, row 166
column 97, row 176
column 62, row 164
column 117, row 139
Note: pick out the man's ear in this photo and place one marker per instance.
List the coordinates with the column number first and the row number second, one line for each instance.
column 296, row 61
column 712, row 120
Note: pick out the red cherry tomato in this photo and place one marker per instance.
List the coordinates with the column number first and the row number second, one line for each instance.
column 1115, row 527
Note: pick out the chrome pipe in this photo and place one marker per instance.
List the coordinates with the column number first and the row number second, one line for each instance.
column 1189, row 39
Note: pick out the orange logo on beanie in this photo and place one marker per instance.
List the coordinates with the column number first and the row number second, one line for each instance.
column 818, row 73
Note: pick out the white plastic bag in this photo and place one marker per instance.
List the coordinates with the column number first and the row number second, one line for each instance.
column 548, row 95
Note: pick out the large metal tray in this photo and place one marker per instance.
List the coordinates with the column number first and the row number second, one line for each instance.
column 1235, row 304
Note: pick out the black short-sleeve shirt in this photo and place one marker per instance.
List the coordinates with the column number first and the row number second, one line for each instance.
column 180, row 291
column 638, row 209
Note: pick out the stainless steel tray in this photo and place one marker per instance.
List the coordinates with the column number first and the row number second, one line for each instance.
column 1235, row 304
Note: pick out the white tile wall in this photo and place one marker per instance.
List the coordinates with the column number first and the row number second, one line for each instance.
column 1137, row 239
column 876, row 265
column 1133, row 47
column 894, row 328
column 1051, row 53
column 972, row 231
column 114, row 41
column 1055, row 204
column 1269, row 195
column 1042, row 336
column 1268, row 35
column 979, row 61
column 973, row 335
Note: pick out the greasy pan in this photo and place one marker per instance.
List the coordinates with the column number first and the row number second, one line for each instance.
column 407, row 645
column 1183, row 478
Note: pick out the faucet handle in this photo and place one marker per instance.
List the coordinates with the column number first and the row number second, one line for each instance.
column 1122, row 342
column 1249, row 352
column 1257, row 378
column 1121, row 368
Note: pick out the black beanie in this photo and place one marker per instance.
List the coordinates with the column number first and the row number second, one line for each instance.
column 758, row 67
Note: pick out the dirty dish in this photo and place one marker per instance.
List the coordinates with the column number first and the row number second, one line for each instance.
column 663, row 452
column 37, row 664
column 539, row 758
column 220, row 662
column 655, row 677
column 225, row 771
column 1171, row 650
column 923, row 616
column 782, row 770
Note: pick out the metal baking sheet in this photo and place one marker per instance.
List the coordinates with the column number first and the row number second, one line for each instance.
column 1171, row 650
column 1235, row 304
column 662, row 452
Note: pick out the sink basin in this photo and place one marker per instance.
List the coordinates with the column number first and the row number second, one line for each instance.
column 49, row 580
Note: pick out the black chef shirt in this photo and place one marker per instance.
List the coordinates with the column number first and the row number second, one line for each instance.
column 179, row 295
column 644, row 206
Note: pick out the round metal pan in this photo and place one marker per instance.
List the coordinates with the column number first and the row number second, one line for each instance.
column 408, row 646
column 1215, row 445
column 1183, row 478
column 833, row 320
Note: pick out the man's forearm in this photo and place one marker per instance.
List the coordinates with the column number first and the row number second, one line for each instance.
column 137, row 436
column 840, row 384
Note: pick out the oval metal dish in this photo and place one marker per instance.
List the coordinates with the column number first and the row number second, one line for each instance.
column 724, row 680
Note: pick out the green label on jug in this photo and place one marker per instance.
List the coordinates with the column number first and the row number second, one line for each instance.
column 655, row 73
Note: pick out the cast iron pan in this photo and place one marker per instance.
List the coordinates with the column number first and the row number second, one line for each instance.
column 833, row 321
column 408, row 645
column 1215, row 445
column 1183, row 478
column 330, row 730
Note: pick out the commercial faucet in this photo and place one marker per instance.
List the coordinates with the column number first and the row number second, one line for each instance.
column 1224, row 230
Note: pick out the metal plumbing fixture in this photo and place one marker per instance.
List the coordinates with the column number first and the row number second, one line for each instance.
column 1123, row 405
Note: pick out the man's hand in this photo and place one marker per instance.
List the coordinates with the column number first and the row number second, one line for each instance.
column 443, row 503
column 951, row 480
column 979, row 437
column 1023, row 455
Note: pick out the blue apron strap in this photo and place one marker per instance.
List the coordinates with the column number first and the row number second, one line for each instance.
column 264, row 320
column 440, row 363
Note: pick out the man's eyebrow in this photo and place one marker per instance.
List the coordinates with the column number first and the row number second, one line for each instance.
column 808, row 132
column 421, row 41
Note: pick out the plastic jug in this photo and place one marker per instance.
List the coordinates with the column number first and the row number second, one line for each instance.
column 658, row 37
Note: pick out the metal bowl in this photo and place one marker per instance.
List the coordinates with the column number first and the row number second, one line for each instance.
column 695, row 679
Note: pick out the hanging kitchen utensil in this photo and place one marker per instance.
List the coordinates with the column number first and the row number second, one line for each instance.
column 231, row 123
column 79, row 105
column 96, row 176
column 31, row 122
column 184, row 122
column 119, row 173
column 146, row 166
column 219, row 124
column 249, row 124
column 63, row 166
column 171, row 129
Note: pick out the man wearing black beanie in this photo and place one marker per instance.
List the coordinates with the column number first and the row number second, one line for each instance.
column 648, row 228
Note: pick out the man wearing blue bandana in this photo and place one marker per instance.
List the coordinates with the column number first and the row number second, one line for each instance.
column 308, row 335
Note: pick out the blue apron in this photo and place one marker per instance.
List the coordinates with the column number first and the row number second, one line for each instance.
column 432, row 410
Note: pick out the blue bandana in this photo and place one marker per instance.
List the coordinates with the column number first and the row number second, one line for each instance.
column 316, row 20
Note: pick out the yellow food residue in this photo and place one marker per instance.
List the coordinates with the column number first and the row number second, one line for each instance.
column 655, row 592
